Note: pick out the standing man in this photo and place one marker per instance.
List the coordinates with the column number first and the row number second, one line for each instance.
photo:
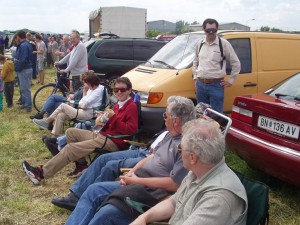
column 211, row 193
column 77, row 60
column 30, row 40
column 23, row 67
column 209, row 66
column 2, row 45
column 62, row 51
column 40, row 52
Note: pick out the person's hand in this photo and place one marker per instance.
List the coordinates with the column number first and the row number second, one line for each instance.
column 225, row 83
column 109, row 113
column 71, row 96
column 56, row 63
column 129, row 178
column 57, row 53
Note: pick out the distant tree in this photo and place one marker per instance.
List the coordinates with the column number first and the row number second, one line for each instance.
column 265, row 28
column 152, row 33
column 274, row 29
column 194, row 23
column 182, row 27
column 268, row 29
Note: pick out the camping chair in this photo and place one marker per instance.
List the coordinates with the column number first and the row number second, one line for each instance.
column 258, row 200
column 223, row 120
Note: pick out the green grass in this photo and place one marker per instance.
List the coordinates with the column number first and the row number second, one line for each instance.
column 23, row 203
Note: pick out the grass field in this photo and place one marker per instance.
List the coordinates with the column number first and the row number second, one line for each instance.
column 23, row 203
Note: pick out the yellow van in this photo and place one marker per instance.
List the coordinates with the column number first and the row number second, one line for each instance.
column 266, row 59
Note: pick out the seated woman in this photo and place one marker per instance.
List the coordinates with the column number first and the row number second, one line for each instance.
column 92, row 99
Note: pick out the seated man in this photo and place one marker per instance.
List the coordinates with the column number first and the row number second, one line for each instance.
column 92, row 99
column 106, row 168
column 123, row 119
column 211, row 193
column 155, row 177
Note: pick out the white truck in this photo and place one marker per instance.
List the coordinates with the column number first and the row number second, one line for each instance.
column 121, row 21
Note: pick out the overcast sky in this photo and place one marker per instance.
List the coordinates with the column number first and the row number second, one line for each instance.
column 61, row 16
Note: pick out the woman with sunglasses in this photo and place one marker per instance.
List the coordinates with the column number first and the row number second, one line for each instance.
column 122, row 119
column 209, row 66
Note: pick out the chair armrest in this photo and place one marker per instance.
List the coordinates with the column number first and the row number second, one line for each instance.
column 136, row 143
column 125, row 170
column 118, row 136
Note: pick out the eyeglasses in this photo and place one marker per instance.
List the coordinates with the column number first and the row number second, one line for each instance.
column 116, row 90
column 211, row 30
column 179, row 149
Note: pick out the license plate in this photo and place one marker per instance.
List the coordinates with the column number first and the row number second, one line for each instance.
column 278, row 127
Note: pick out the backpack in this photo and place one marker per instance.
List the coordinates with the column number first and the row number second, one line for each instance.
column 221, row 50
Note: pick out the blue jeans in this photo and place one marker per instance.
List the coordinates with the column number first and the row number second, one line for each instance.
column 110, row 214
column 25, row 83
column 107, row 168
column 52, row 103
column 88, row 204
column 212, row 94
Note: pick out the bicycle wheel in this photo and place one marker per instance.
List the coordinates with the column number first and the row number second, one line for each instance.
column 42, row 94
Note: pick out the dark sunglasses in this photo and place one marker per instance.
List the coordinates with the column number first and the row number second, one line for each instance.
column 211, row 30
column 179, row 149
column 116, row 90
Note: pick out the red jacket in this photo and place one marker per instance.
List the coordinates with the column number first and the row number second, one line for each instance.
column 125, row 121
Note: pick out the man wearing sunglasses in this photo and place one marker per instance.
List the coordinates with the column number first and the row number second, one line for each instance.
column 209, row 66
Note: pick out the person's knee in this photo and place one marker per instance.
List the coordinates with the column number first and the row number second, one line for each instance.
column 70, row 132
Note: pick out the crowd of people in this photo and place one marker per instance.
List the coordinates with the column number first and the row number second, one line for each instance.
column 31, row 54
column 181, row 176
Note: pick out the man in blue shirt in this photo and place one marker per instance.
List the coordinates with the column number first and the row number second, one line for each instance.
column 23, row 67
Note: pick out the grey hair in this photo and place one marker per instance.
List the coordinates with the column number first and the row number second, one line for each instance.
column 181, row 107
column 76, row 33
column 204, row 139
column 66, row 36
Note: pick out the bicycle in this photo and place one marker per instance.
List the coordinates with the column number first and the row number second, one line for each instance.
column 42, row 94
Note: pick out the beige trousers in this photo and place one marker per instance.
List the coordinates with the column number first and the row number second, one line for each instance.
column 62, row 113
column 81, row 143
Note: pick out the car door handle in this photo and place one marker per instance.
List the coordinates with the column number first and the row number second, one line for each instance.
column 250, row 84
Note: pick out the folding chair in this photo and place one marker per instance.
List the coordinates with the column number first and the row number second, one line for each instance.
column 223, row 120
column 258, row 200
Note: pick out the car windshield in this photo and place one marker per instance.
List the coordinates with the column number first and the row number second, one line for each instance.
column 177, row 54
column 289, row 88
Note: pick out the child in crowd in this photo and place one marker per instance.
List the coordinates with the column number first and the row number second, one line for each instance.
column 7, row 75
